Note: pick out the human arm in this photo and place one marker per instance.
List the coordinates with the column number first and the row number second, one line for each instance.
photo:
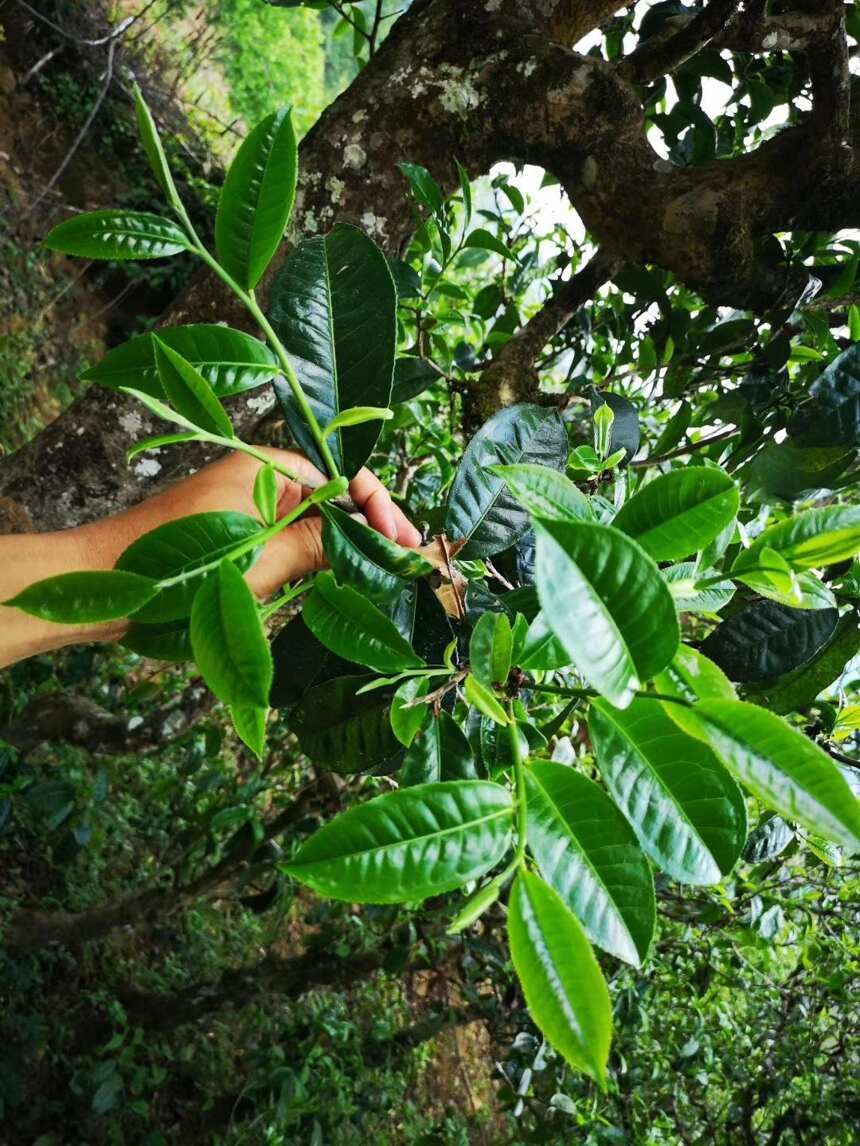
column 224, row 485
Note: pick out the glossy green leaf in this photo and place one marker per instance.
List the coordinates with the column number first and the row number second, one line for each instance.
column 412, row 376
column 154, row 150
column 230, row 361
column 490, row 649
column 587, row 851
column 227, row 637
column 604, row 599
column 685, row 809
column 351, row 626
column 117, row 235
column 481, row 509
column 409, row 844
column 440, row 751
column 250, row 724
column 545, row 492
column 170, row 641
column 484, row 700
column 561, row 980
column 266, row 493
column 691, row 676
column 342, row 728
column 487, row 241
column 85, row 598
column 333, row 305
column 782, row 767
column 365, row 559
column 766, row 640
column 541, row 648
column 679, row 512
column 179, row 547
column 256, row 199
column 683, row 579
column 406, row 718
column 189, row 392
column 809, row 540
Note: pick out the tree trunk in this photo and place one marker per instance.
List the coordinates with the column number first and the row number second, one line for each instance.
column 485, row 82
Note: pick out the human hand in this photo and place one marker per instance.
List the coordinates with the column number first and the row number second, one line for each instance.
column 228, row 484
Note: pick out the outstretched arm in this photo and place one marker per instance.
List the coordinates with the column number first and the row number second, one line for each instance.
column 224, row 485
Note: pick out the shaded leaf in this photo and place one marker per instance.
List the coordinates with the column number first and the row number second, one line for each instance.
column 348, row 624
column 766, row 640
column 333, row 305
column 439, row 752
column 481, row 509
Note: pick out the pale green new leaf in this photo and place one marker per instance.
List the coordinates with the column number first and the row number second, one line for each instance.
column 685, row 809
column 256, row 199
column 227, row 637
column 587, row 851
column 780, row 766
column 545, row 492
column 561, row 980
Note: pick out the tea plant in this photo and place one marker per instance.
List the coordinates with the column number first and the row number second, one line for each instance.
column 410, row 662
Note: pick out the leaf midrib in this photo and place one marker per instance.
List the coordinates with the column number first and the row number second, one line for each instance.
column 554, row 806
column 407, row 842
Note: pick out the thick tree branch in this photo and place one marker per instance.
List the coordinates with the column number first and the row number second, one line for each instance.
column 32, row 929
column 831, row 84
column 662, row 54
column 456, row 79
column 511, row 376
column 77, row 720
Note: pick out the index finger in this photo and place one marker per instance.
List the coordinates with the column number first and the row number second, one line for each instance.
column 375, row 502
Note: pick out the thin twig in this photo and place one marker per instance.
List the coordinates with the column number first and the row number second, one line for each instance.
column 79, row 138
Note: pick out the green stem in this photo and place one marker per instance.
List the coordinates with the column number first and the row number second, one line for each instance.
column 284, row 599
column 589, row 693
column 250, row 302
column 331, row 489
column 252, row 451
column 520, row 780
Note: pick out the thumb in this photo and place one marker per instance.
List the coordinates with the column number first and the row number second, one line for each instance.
column 292, row 554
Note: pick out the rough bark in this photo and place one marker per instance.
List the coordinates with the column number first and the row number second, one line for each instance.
column 79, row 721
column 485, row 80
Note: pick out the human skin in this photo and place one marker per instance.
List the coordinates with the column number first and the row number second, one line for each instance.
column 224, row 485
